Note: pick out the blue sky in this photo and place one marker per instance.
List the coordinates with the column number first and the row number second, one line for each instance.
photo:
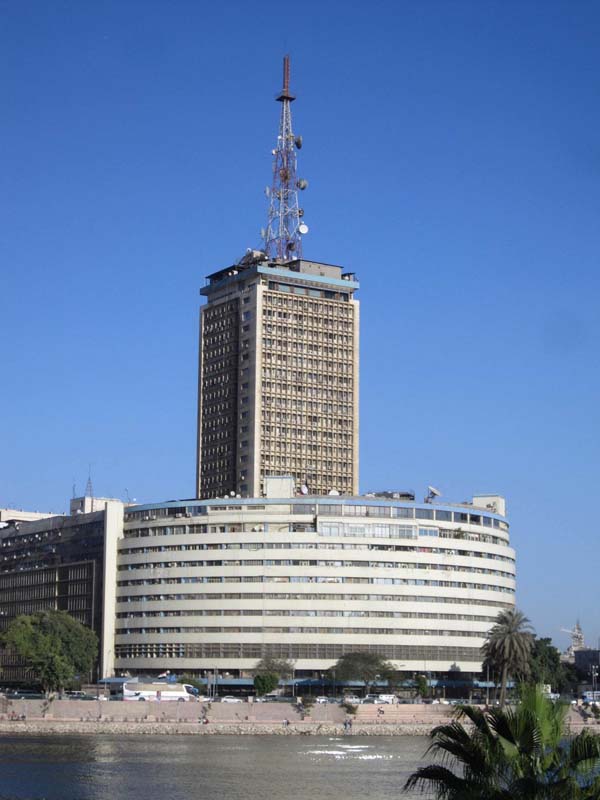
column 453, row 156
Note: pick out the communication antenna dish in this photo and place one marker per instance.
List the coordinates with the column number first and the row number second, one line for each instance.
column 303, row 227
column 333, row 493
column 298, row 142
column 268, row 191
column 302, row 184
column 304, row 489
column 435, row 492
column 263, row 233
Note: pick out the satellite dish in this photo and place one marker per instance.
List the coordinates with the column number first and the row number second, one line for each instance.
column 303, row 227
column 433, row 491
column 333, row 493
column 302, row 183
column 268, row 191
column 298, row 142
column 300, row 212
column 263, row 233
column 304, row 489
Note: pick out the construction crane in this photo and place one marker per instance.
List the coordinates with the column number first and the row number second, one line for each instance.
column 576, row 634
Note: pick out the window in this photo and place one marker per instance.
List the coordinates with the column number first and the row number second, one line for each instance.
column 424, row 513
column 445, row 516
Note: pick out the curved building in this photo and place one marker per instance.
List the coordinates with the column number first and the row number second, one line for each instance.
column 218, row 584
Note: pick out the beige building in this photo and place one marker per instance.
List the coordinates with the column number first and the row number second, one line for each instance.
column 278, row 378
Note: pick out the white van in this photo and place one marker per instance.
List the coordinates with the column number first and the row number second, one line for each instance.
column 158, row 691
column 386, row 698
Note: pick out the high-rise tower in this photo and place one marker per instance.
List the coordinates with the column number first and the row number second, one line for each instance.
column 278, row 375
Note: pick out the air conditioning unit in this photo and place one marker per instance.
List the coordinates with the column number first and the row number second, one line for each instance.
column 178, row 516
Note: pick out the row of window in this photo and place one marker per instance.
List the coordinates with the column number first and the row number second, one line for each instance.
column 338, row 510
column 329, row 597
column 316, row 579
column 302, row 292
column 388, row 548
column 303, row 629
column 304, row 612
column 379, row 531
column 293, row 651
column 253, row 563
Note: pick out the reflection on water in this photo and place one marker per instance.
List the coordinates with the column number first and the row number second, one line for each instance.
column 207, row 767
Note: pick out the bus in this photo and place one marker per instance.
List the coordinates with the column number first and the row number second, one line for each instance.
column 159, row 691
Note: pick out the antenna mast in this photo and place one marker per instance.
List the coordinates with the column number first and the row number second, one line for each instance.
column 285, row 228
column 89, row 489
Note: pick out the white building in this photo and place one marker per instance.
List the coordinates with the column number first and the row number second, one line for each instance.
column 205, row 584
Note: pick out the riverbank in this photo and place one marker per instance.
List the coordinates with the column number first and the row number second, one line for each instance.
column 147, row 728
column 49, row 717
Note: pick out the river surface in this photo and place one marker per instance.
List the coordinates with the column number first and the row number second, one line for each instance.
column 207, row 767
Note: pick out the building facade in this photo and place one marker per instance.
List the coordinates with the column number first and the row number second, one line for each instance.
column 62, row 563
column 218, row 584
column 278, row 378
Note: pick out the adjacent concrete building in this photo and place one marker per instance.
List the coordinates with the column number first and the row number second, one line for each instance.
column 278, row 378
column 63, row 563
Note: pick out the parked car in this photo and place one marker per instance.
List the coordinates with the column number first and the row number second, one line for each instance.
column 352, row 699
column 229, row 698
column 386, row 698
column 321, row 699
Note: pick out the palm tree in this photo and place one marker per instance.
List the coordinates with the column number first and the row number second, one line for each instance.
column 511, row 754
column 508, row 647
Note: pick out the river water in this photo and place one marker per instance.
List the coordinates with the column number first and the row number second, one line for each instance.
column 207, row 767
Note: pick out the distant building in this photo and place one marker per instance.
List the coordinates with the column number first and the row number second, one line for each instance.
column 8, row 515
column 66, row 564
column 577, row 644
column 587, row 658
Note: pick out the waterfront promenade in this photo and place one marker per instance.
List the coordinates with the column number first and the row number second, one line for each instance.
column 283, row 719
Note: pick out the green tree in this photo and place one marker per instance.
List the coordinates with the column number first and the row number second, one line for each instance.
column 521, row 753
column 422, row 686
column 265, row 682
column 362, row 666
column 508, row 647
column 545, row 666
column 274, row 666
column 269, row 671
column 55, row 645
